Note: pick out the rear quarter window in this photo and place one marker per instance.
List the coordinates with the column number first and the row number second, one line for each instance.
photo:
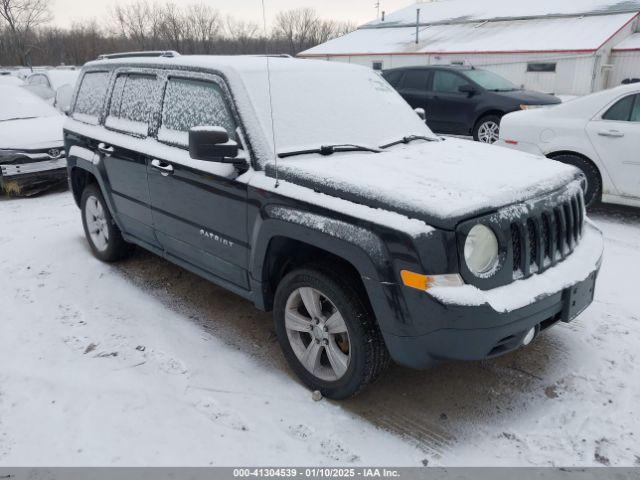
column 91, row 96
column 621, row 110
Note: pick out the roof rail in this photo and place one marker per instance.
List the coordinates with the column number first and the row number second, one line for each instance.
column 149, row 53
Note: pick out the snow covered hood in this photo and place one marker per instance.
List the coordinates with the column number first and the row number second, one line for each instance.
column 32, row 133
column 440, row 183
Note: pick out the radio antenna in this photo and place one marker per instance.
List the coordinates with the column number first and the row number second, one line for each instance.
column 273, row 123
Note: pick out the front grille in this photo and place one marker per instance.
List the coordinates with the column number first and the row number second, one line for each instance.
column 547, row 237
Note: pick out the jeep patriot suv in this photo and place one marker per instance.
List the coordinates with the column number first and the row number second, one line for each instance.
column 315, row 191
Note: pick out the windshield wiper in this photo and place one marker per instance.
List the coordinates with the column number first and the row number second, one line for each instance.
column 409, row 139
column 327, row 150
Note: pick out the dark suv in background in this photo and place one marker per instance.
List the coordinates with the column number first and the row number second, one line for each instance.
column 463, row 100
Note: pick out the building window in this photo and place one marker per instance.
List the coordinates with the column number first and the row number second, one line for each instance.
column 541, row 67
column 377, row 66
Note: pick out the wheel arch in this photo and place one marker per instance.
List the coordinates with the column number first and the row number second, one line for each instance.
column 486, row 113
column 79, row 178
column 287, row 238
column 557, row 153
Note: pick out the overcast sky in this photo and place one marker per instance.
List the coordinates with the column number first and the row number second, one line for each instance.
column 359, row 11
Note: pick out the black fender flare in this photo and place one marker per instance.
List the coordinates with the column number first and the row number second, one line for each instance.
column 360, row 247
column 81, row 163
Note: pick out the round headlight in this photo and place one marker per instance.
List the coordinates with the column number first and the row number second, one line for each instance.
column 481, row 250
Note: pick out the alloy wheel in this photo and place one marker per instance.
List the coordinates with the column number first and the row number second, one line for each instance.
column 317, row 334
column 489, row 132
column 97, row 223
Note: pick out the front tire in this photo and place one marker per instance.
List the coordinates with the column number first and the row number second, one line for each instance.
column 593, row 190
column 487, row 130
column 102, row 233
column 327, row 332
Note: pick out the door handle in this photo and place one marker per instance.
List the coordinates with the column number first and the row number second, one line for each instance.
column 165, row 168
column 611, row 133
column 106, row 150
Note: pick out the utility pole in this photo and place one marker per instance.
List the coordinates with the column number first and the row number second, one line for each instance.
column 377, row 7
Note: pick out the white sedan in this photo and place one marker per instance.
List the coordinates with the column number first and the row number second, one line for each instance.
column 598, row 133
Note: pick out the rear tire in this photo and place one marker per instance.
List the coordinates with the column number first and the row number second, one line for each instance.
column 593, row 190
column 350, row 354
column 103, row 235
column 487, row 129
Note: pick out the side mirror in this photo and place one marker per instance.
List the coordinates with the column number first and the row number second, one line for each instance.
column 212, row 144
column 421, row 113
column 468, row 89
column 63, row 98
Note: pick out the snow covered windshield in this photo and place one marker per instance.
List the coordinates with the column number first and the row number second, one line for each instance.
column 490, row 81
column 330, row 104
column 16, row 103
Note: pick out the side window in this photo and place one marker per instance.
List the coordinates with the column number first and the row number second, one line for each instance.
column 91, row 95
column 621, row 110
column 447, row 82
column 415, row 79
column 193, row 103
column 132, row 104
column 635, row 113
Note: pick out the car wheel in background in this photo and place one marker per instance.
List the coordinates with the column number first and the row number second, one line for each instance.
column 327, row 332
column 487, row 130
column 593, row 189
column 102, row 233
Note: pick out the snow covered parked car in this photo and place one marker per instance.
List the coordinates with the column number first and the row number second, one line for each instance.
column 32, row 156
column 54, row 85
column 314, row 190
column 7, row 78
column 598, row 133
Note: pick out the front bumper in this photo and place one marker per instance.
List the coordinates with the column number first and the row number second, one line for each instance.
column 10, row 170
column 26, row 179
column 465, row 323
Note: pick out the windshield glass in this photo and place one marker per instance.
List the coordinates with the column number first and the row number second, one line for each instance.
column 17, row 103
column 490, row 81
column 318, row 103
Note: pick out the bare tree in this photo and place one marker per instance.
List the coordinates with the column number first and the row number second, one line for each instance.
column 205, row 26
column 21, row 18
column 302, row 28
column 141, row 22
column 144, row 25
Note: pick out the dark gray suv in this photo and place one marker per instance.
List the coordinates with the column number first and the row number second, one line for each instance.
column 369, row 237
column 463, row 100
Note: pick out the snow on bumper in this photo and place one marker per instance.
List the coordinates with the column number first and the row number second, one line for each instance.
column 574, row 269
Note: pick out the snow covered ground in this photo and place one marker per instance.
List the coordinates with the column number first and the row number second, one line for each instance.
column 143, row 363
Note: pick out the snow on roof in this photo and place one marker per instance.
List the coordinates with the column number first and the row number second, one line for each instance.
column 630, row 43
column 314, row 103
column 567, row 34
column 453, row 11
